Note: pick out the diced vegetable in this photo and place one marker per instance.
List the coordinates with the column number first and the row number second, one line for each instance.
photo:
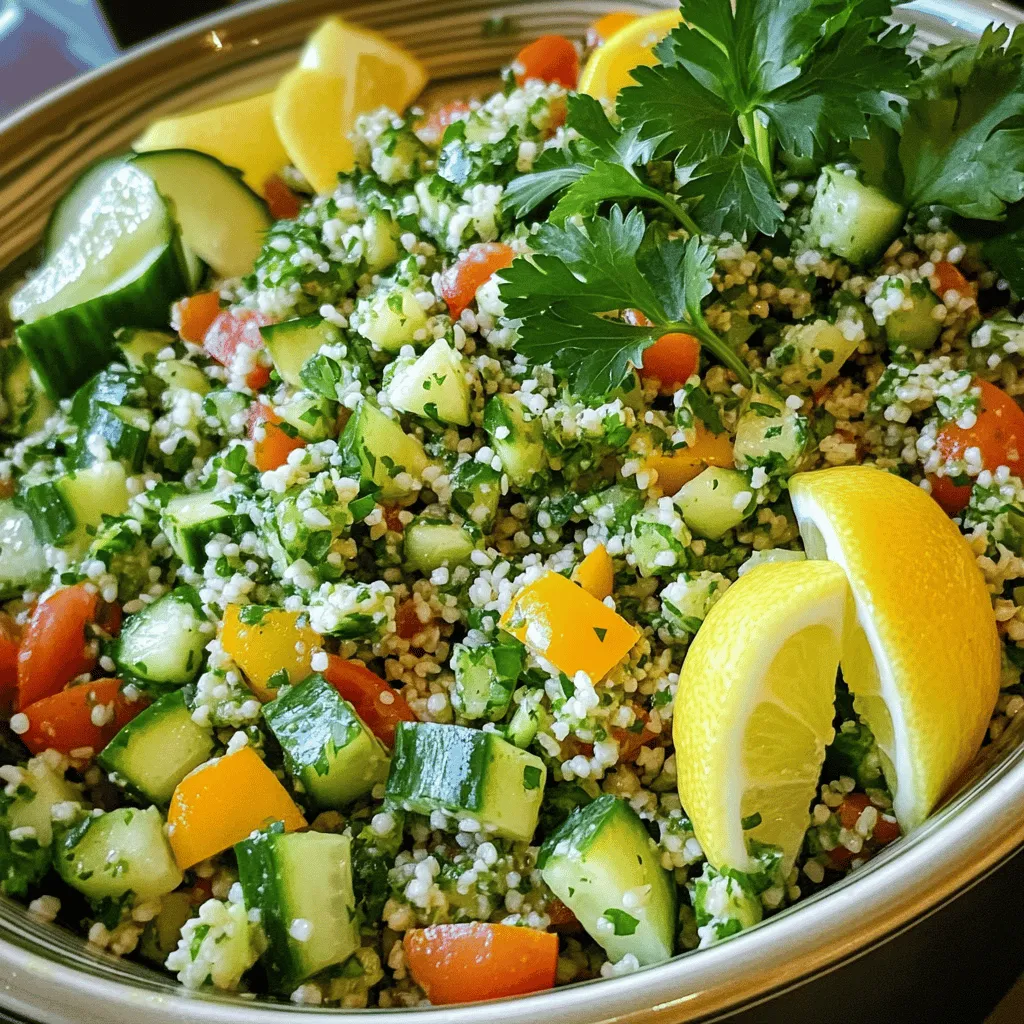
column 22, row 558
column 432, row 543
column 392, row 319
column 81, row 718
column 220, row 803
column 434, row 386
column 549, row 58
column 381, row 452
column 913, row 324
column 10, row 643
column 466, row 773
column 684, row 464
column 270, row 645
column 811, row 355
column 715, row 501
column 476, row 492
column 463, row 963
column 234, row 340
column 485, row 678
column 686, row 601
column 852, row 219
column 576, row 632
column 459, row 283
column 376, row 703
column 596, row 573
column 196, row 315
column 163, row 643
column 769, row 433
column 273, row 440
column 517, row 440
column 292, row 342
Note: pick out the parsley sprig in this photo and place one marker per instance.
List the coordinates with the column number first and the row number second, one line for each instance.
column 579, row 274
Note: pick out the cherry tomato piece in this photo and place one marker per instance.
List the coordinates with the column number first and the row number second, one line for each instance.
column 235, row 330
column 461, row 280
column 551, row 59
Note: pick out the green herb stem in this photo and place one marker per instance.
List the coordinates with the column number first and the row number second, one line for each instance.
column 679, row 212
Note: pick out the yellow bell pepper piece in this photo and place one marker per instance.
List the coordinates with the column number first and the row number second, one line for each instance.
column 280, row 640
column 558, row 620
column 221, row 803
column 596, row 574
column 685, row 463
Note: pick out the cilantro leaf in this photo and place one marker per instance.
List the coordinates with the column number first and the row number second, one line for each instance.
column 566, row 294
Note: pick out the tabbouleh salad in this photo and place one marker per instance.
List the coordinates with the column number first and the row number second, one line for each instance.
column 348, row 595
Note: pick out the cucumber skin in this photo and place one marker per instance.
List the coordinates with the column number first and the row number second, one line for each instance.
column 66, row 348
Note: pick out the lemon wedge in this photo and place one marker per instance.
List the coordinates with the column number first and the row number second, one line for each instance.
column 344, row 71
column 240, row 134
column 921, row 652
column 753, row 712
column 609, row 66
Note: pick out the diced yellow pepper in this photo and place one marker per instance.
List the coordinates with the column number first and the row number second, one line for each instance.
column 279, row 641
column 572, row 629
column 685, row 463
column 596, row 574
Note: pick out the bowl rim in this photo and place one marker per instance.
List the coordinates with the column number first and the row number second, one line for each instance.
column 959, row 846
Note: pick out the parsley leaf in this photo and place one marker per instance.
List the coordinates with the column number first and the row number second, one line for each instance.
column 734, row 85
column 601, row 166
column 577, row 273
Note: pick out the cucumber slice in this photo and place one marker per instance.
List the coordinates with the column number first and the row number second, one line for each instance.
column 325, row 743
column 467, row 773
column 122, row 264
column 485, row 678
column 518, row 441
column 432, row 543
column 433, row 386
column 22, row 558
column 302, row 886
column 164, row 642
column 476, row 491
column 292, row 342
column 39, row 791
column 713, row 502
column 190, row 520
column 122, row 851
column 313, row 416
column 160, row 936
column 852, row 219
column 229, row 408
column 222, row 220
column 27, row 407
column 157, row 749
column 912, row 325
column 606, row 869
column 379, row 450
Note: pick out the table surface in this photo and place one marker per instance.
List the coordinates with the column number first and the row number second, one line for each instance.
column 46, row 42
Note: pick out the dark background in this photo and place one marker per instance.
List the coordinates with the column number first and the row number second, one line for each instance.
column 909, row 981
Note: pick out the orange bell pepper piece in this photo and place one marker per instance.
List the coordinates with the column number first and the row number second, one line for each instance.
column 220, row 803
column 596, row 574
column 279, row 641
column 685, row 463
column 196, row 314
column 558, row 620
column 462, row 963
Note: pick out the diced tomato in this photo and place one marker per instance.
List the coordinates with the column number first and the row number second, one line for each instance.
column 10, row 640
column 433, row 127
column 885, row 831
column 272, row 443
column 66, row 721
column 551, row 59
column 407, row 622
column 563, row 920
column 391, row 517
column 605, row 27
column 851, row 809
column 55, row 648
column 840, row 858
column 461, row 280
column 196, row 314
column 998, row 433
column 376, row 703
column 228, row 331
column 949, row 278
column 284, row 204
column 672, row 360
column 632, row 740
column 462, row 963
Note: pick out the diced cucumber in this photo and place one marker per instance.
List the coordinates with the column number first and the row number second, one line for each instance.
column 120, row 851
column 301, row 883
column 913, row 324
column 22, row 558
column 606, row 869
column 614, row 506
column 485, row 678
column 292, row 342
column 163, row 643
column 432, row 543
column 229, row 408
column 715, row 501
column 686, row 601
column 120, row 433
column 659, row 540
column 140, row 347
column 222, row 220
column 467, row 773
column 176, row 373
column 852, row 219
column 326, row 745
column 123, row 264
column 476, row 491
column 157, row 749
column 67, row 511
column 768, row 433
column 190, row 520
column 160, row 936
column 40, row 790
column 526, row 721
column 391, row 319
column 380, row 242
column 26, row 406
column 811, row 355
column 433, row 386
column 313, row 416
column 518, row 441
column 381, row 451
